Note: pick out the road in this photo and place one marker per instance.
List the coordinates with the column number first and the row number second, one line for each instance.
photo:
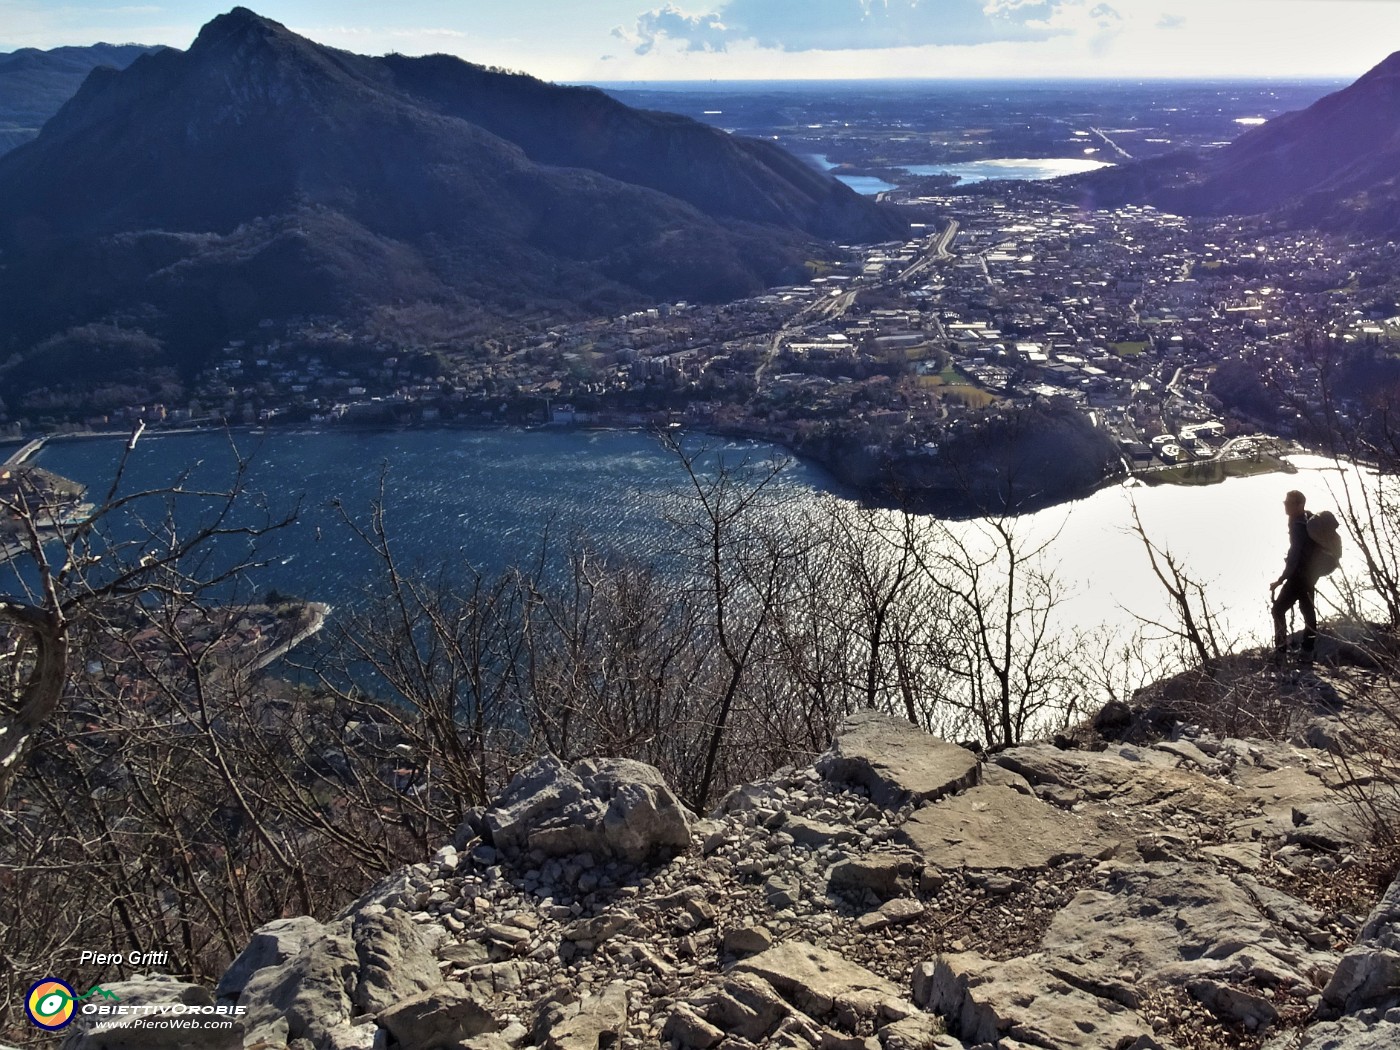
column 938, row 252
column 1118, row 150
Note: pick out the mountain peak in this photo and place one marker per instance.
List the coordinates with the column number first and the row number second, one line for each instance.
column 239, row 26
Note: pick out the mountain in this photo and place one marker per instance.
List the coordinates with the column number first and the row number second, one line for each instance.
column 1335, row 165
column 260, row 175
column 34, row 84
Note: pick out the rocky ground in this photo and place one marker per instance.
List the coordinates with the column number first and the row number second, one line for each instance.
column 1197, row 890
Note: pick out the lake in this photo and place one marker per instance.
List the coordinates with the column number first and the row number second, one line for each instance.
column 1031, row 169
column 484, row 497
column 998, row 168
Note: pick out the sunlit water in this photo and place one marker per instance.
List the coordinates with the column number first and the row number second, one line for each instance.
column 968, row 172
column 485, row 498
column 1031, row 169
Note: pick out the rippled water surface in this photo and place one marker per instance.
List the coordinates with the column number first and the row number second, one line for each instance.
column 485, row 497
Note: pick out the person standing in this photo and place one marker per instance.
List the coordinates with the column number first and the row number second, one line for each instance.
column 1298, row 581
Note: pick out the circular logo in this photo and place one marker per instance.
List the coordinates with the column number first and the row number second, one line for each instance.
column 50, row 1004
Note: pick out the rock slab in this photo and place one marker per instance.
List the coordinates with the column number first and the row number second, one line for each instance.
column 896, row 762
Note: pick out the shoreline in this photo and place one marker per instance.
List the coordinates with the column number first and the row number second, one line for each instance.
column 940, row 500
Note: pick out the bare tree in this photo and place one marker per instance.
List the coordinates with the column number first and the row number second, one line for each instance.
column 71, row 569
column 1010, row 663
column 1196, row 623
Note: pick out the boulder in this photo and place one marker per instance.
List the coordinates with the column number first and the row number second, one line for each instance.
column 1000, row 1002
column 214, row 1033
column 997, row 827
column 886, row 875
column 359, row 965
column 437, row 1018
column 597, row 1022
column 271, row 945
column 1367, row 977
column 813, row 979
column 896, row 762
column 610, row 807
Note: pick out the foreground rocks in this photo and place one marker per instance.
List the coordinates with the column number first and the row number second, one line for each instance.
column 901, row 894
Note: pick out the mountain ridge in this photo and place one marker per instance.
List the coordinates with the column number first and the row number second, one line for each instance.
column 1332, row 165
column 34, row 84
column 197, row 192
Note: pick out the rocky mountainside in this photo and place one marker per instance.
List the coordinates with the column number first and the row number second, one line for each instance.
column 902, row 893
column 259, row 175
column 34, row 83
column 1333, row 165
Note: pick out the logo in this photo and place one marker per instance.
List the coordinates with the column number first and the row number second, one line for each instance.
column 50, row 1003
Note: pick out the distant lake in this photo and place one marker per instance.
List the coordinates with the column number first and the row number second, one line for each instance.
column 868, row 185
column 968, row 172
column 485, row 498
column 1001, row 168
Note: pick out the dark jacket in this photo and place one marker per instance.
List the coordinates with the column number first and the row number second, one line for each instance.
column 1299, row 562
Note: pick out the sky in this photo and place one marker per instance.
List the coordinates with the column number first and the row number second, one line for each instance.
column 641, row 40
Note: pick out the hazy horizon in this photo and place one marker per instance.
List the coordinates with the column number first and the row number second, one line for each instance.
column 624, row 41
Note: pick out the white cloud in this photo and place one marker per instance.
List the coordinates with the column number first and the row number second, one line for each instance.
column 836, row 25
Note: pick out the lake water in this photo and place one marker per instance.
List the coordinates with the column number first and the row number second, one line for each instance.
column 972, row 171
column 868, row 185
column 453, row 497
column 484, row 497
column 1031, row 169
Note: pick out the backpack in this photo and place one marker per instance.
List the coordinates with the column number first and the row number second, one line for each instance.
column 1326, row 543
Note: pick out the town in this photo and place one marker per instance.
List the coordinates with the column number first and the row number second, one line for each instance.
column 1176, row 341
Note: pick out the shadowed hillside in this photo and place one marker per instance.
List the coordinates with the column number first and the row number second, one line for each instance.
column 1332, row 165
column 34, row 83
column 260, row 175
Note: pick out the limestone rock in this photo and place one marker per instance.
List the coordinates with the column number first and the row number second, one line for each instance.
column 440, row 1017
column 896, row 762
column 1367, row 976
column 1143, row 778
column 610, row 807
column 1370, row 1030
column 886, row 875
column 747, row 1006
column 394, row 960
column 747, row 940
column 271, row 945
column 686, row 1028
column 360, row 964
column 996, row 827
column 153, row 990
column 813, row 978
column 1170, row 922
column 892, row 913
column 996, row 1002
column 599, row 1022
column 918, row 1032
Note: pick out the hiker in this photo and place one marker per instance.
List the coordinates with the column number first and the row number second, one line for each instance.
column 1299, row 580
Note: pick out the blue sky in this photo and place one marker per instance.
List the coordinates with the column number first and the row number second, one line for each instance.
column 599, row 40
